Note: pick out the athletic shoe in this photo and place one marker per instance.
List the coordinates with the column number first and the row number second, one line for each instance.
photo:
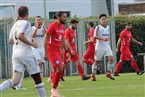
column 62, row 79
column 55, row 93
column 19, row 88
column 115, row 74
column 140, row 73
column 109, row 76
column 86, row 77
column 98, row 71
column 93, row 77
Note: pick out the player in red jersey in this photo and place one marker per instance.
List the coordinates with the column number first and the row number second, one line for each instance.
column 52, row 45
column 88, row 56
column 125, row 39
column 69, row 38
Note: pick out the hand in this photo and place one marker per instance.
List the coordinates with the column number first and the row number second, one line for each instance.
column 40, row 63
column 85, row 42
column 72, row 52
column 105, row 39
column 45, row 57
column 140, row 44
column 68, row 56
column 34, row 44
column 116, row 50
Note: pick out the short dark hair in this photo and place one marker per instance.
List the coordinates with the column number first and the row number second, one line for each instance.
column 58, row 14
column 38, row 17
column 91, row 24
column 73, row 21
column 102, row 15
column 23, row 11
column 128, row 23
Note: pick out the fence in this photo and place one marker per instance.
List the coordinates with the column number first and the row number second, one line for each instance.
column 81, row 36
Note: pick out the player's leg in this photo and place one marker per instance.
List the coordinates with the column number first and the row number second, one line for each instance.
column 118, row 67
column 134, row 65
column 11, row 82
column 110, row 67
column 34, row 70
column 94, row 67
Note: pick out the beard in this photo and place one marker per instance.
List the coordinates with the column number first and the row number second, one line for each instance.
column 63, row 22
column 74, row 28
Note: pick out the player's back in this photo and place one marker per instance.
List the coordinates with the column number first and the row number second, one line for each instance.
column 20, row 48
column 102, row 32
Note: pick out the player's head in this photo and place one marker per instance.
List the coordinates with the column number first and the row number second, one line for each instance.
column 90, row 25
column 23, row 12
column 61, row 16
column 38, row 21
column 73, row 24
column 128, row 26
column 103, row 19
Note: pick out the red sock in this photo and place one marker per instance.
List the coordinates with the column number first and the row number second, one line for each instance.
column 63, row 69
column 88, row 62
column 134, row 65
column 52, row 77
column 57, row 76
column 80, row 70
column 118, row 67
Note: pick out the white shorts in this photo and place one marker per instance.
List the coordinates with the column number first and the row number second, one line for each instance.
column 103, row 51
column 28, row 63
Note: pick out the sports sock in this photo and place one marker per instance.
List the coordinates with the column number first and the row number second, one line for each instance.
column 40, row 90
column 88, row 62
column 5, row 85
column 21, row 80
column 118, row 67
column 80, row 70
column 110, row 66
column 134, row 65
column 56, row 78
column 63, row 69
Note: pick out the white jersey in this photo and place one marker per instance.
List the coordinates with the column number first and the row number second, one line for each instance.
column 102, row 32
column 39, row 38
column 21, row 49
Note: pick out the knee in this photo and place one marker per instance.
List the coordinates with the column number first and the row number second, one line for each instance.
column 37, row 78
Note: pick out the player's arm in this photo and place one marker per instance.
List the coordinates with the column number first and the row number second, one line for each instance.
column 118, row 45
column 34, row 32
column 11, row 41
column 89, row 41
column 136, row 42
column 46, row 37
column 69, row 46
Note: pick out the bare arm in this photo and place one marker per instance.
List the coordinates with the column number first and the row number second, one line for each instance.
column 89, row 41
column 34, row 32
column 118, row 45
column 136, row 42
column 68, row 44
column 22, row 38
column 11, row 41
column 46, row 37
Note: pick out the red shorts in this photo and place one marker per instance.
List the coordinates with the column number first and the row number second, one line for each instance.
column 89, row 54
column 73, row 58
column 126, row 55
column 54, row 55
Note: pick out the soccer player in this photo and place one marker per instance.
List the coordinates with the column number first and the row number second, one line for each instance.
column 22, row 57
column 102, row 34
column 38, row 32
column 69, row 38
column 52, row 45
column 124, row 40
column 88, row 56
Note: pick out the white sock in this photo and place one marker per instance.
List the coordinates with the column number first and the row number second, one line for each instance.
column 110, row 67
column 5, row 85
column 40, row 90
column 21, row 80
column 94, row 67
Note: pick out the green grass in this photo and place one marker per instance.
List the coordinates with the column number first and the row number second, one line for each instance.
column 126, row 85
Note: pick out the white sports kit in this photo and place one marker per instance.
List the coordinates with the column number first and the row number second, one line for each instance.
column 22, row 56
column 102, row 47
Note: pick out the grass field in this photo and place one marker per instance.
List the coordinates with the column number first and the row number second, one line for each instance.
column 126, row 85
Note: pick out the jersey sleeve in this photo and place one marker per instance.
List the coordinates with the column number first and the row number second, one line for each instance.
column 66, row 34
column 50, row 29
column 24, row 27
column 122, row 34
column 96, row 31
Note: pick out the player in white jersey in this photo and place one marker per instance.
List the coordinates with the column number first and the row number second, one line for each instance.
column 102, row 34
column 38, row 32
column 22, row 57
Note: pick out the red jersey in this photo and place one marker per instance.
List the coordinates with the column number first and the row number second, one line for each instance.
column 125, row 37
column 90, row 35
column 55, row 31
column 69, row 34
